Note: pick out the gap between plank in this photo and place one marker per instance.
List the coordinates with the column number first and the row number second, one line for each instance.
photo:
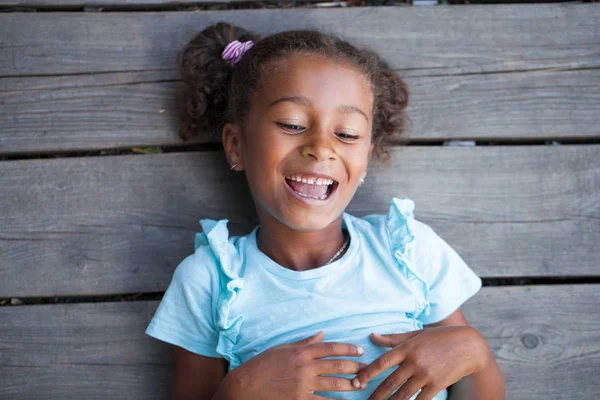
column 155, row 296
column 171, row 76
column 214, row 146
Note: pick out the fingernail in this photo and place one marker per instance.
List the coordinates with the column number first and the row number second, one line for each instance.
column 356, row 383
column 360, row 350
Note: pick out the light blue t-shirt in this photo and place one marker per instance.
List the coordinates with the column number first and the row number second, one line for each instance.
column 230, row 300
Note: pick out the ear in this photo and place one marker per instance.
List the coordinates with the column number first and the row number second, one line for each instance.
column 233, row 143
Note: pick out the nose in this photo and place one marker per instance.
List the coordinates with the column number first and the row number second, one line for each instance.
column 318, row 145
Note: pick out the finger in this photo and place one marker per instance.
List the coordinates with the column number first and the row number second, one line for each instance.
column 409, row 389
column 334, row 384
column 317, row 337
column 427, row 393
column 391, row 340
column 391, row 383
column 337, row 366
column 328, row 349
column 386, row 360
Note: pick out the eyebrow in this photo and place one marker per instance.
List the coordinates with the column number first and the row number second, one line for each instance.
column 304, row 101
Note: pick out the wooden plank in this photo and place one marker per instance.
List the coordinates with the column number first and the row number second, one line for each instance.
column 545, row 343
column 93, row 112
column 92, row 351
column 118, row 224
column 111, row 4
column 422, row 40
column 546, row 339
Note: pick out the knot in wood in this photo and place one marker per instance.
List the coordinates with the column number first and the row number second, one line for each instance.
column 530, row 341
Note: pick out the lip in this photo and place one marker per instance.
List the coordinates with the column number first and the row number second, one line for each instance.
column 308, row 200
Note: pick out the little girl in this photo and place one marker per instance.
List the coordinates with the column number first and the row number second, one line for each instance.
column 314, row 303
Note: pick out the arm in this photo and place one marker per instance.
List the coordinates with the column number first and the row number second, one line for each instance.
column 196, row 377
column 488, row 383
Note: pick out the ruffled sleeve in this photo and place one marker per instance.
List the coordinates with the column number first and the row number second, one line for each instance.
column 230, row 261
column 402, row 239
column 195, row 310
column 444, row 279
column 184, row 317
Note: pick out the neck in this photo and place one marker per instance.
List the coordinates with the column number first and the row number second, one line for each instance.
column 297, row 250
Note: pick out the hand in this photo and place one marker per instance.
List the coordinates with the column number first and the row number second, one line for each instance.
column 430, row 359
column 293, row 371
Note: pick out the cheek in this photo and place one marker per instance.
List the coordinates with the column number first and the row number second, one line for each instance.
column 357, row 160
column 269, row 146
column 266, row 152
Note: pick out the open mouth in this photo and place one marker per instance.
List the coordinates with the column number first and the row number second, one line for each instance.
column 312, row 187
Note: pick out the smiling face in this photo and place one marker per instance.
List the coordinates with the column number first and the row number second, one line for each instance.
column 306, row 141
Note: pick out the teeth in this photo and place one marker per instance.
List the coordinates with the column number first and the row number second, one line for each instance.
column 311, row 180
column 311, row 197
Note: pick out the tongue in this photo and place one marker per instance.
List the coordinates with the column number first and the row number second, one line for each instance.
column 308, row 189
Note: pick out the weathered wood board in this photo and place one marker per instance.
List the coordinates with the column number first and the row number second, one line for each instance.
column 424, row 41
column 120, row 110
column 545, row 338
column 104, row 5
column 119, row 224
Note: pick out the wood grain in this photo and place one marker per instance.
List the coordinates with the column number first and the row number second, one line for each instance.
column 118, row 224
column 120, row 110
column 545, row 338
column 419, row 40
column 105, row 5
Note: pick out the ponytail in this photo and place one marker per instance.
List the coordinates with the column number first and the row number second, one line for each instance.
column 206, row 79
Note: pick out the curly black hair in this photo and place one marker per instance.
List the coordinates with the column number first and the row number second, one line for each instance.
column 214, row 92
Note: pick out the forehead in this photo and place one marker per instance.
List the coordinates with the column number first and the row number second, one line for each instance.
column 328, row 83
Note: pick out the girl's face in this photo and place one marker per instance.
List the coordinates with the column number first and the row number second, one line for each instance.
column 306, row 141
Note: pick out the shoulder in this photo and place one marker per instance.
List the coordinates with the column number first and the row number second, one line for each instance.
column 405, row 236
column 398, row 227
column 407, row 231
column 215, row 255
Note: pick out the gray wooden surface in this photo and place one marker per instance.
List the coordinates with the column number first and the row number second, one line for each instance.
column 114, row 88
column 423, row 40
column 546, row 340
column 112, row 4
column 118, row 224
column 91, row 112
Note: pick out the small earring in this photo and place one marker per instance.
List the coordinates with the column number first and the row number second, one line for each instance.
column 233, row 166
column 362, row 181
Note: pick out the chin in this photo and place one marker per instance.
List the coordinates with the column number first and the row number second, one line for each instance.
column 307, row 220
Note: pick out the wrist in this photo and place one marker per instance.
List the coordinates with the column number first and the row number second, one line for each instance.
column 483, row 353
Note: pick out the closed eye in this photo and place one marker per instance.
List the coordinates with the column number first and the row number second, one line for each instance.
column 298, row 128
column 346, row 136
column 290, row 127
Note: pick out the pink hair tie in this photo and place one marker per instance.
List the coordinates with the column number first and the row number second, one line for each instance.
column 235, row 51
